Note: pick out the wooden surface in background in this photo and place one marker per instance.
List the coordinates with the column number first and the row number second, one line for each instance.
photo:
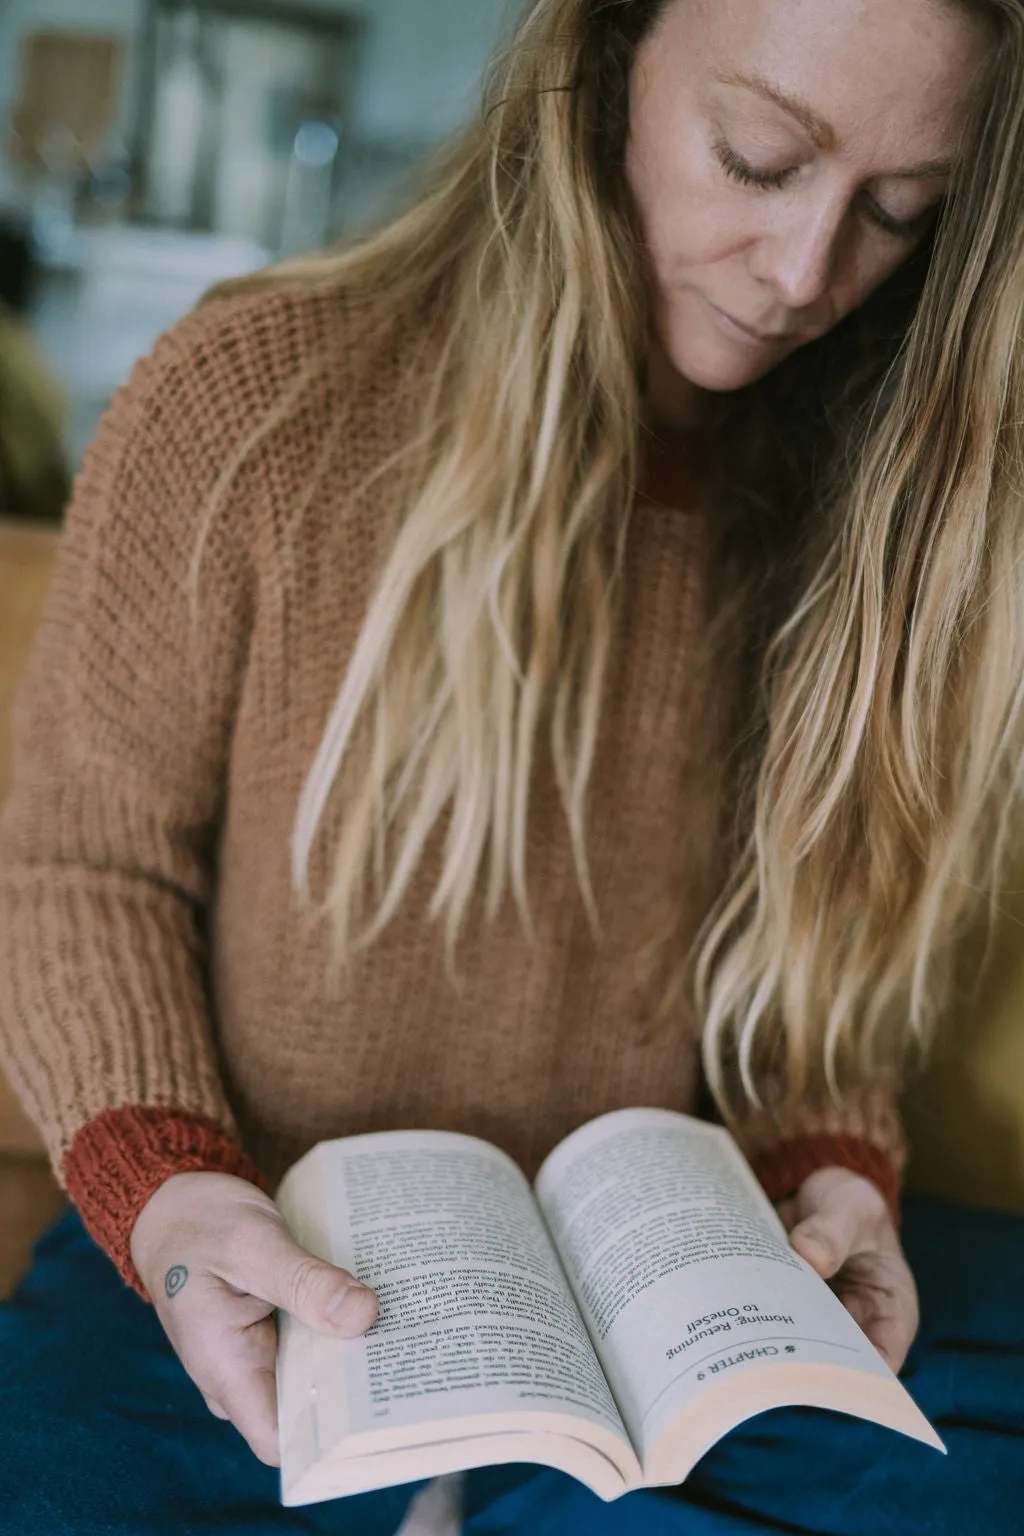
column 29, row 1200
column 29, row 1196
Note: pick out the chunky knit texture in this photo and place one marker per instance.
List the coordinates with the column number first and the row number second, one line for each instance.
column 123, row 1156
column 162, row 1005
column 783, row 1167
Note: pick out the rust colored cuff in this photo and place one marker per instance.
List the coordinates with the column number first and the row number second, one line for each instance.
column 123, row 1156
column 784, row 1167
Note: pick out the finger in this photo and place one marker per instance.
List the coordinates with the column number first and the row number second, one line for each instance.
column 892, row 1337
column 228, row 1345
column 879, row 1292
column 203, row 1315
column 243, row 1383
column 269, row 1264
column 252, row 1409
column 838, row 1215
column 825, row 1240
column 890, row 1328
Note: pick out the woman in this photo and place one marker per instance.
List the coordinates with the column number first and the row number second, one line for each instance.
column 379, row 767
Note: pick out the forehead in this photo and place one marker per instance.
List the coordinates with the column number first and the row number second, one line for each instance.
column 893, row 77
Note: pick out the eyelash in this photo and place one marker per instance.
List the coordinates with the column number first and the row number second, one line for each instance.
column 740, row 171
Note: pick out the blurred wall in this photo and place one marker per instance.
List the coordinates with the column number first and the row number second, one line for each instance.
column 105, row 297
column 421, row 62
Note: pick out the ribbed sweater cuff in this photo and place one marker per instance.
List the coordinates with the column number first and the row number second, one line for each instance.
column 784, row 1167
column 121, row 1158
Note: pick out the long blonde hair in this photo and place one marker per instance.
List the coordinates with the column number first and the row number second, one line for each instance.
column 872, row 568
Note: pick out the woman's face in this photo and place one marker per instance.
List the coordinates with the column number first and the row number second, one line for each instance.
column 786, row 157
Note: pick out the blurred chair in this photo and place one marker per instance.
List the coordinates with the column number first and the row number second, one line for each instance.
column 965, row 1116
column 29, row 1195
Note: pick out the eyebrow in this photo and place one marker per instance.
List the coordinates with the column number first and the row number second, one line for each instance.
column 821, row 132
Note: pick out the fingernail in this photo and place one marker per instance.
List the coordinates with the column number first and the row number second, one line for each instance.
column 344, row 1302
column 814, row 1251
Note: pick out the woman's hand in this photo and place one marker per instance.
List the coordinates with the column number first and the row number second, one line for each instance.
column 216, row 1257
column 839, row 1222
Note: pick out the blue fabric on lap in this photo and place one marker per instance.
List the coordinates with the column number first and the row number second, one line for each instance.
column 101, row 1430
column 825, row 1475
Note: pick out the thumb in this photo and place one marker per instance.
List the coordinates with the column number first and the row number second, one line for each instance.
column 840, row 1214
column 323, row 1297
column 824, row 1242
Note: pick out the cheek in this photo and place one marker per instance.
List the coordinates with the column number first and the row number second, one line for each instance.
column 685, row 224
column 675, row 182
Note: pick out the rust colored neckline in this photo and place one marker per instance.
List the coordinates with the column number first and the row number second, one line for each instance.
column 670, row 470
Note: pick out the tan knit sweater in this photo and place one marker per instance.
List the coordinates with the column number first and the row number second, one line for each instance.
column 161, row 1005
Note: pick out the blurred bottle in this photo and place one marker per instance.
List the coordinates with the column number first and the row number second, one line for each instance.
column 309, row 188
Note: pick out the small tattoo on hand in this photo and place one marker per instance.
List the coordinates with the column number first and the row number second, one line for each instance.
column 174, row 1280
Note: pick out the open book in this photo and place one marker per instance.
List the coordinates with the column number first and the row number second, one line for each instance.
column 614, row 1322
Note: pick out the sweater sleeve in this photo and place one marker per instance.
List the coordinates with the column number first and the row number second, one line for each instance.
column 122, row 732
column 864, row 1133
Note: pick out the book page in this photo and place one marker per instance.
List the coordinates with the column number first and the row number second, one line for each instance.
column 681, row 1267
column 476, row 1317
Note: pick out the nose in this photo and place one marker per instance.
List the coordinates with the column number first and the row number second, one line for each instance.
column 799, row 254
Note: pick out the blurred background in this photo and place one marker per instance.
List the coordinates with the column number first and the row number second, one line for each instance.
column 149, row 148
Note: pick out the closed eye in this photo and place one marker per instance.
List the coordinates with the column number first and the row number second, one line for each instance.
column 739, row 170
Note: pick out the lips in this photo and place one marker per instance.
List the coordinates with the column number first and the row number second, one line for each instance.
column 750, row 330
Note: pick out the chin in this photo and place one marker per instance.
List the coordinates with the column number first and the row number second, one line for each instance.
column 705, row 356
